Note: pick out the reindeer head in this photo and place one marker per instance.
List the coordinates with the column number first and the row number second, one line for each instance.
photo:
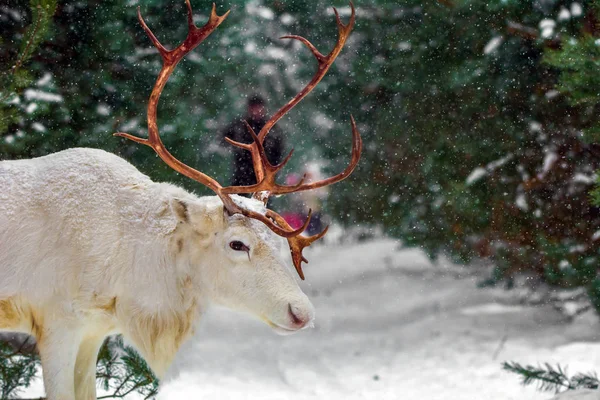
column 240, row 262
column 246, row 249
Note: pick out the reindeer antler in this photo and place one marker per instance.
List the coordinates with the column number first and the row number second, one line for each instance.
column 264, row 170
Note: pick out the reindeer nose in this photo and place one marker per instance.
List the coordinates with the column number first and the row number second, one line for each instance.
column 298, row 317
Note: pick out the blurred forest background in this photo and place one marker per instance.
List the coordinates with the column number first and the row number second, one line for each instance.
column 480, row 118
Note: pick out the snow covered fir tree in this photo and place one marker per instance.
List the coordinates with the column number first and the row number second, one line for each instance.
column 479, row 173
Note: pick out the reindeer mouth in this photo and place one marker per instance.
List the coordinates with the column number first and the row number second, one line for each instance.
column 281, row 330
column 298, row 320
column 285, row 330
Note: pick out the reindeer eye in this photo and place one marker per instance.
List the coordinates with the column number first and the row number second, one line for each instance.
column 238, row 246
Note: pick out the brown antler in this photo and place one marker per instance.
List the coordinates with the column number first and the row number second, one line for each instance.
column 265, row 172
column 297, row 243
column 171, row 58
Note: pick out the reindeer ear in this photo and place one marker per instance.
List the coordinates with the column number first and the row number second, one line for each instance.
column 180, row 209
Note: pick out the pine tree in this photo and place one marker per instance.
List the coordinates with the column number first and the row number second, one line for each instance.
column 480, row 142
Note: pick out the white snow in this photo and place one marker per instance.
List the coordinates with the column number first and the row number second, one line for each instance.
column 547, row 32
column 549, row 159
column 253, row 8
column 404, row 46
column 493, row 44
column 476, row 175
column 103, row 109
column 322, row 121
column 31, row 107
column 45, row 79
column 277, row 53
column 535, row 126
column 33, row 94
column 583, row 178
column 563, row 14
column 521, row 202
column 584, row 394
column 16, row 15
column 287, row 19
column 547, row 27
column 38, row 127
column 491, row 308
column 547, row 23
column 576, row 9
column 480, row 172
column 346, row 11
column 14, row 100
column 390, row 325
column 250, row 47
column 130, row 125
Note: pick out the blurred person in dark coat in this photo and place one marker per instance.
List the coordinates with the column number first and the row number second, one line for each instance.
column 243, row 171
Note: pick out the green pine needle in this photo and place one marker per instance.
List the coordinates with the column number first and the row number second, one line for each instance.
column 549, row 378
column 120, row 370
column 17, row 369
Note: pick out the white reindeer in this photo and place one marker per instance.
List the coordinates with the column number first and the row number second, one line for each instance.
column 90, row 247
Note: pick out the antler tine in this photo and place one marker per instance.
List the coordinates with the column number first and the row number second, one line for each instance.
column 269, row 170
column 324, row 63
column 354, row 158
column 297, row 243
column 264, row 170
column 268, row 182
column 318, row 55
column 161, row 49
column 190, row 15
column 286, row 233
column 238, row 144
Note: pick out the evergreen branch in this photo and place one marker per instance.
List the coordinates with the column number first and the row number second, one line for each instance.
column 118, row 389
column 549, row 378
column 24, row 54
column 122, row 371
column 17, row 369
column 35, row 33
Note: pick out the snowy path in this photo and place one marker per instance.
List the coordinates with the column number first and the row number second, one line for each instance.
column 389, row 326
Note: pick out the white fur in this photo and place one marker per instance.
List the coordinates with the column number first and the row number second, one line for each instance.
column 89, row 247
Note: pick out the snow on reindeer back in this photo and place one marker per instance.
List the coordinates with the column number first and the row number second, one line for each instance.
column 15, row 187
column 78, row 187
column 85, row 187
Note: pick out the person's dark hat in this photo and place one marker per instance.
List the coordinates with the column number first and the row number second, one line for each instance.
column 256, row 100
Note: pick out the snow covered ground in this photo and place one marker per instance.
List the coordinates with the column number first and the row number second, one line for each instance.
column 390, row 325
